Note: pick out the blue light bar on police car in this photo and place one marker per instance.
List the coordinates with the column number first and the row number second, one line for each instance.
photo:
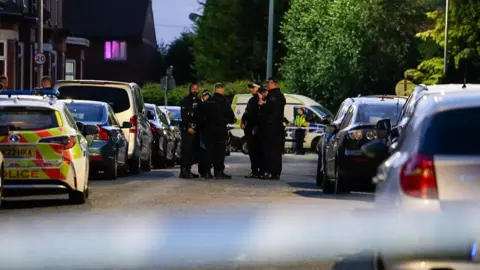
column 48, row 92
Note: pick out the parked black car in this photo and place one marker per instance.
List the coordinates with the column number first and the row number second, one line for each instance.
column 173, row 124
column 108, row 148
column 163, row 143
column 342, row 165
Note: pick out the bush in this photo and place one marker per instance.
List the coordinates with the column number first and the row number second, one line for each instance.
column 152, row 92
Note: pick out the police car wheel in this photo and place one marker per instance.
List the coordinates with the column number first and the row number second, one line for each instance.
column 134, row 165
column 147, row 165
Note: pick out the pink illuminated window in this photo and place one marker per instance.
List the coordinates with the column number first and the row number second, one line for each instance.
column 115, row 50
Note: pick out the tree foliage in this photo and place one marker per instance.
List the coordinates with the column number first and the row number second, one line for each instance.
column 180, row 55
column 463, row 41
column 231, row 38
column 342, row 48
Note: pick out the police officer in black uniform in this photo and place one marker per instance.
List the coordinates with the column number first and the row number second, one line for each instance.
column 250, row 125
column 203, row 166
column 272, row 114
column 215, row 114
column 189, row 106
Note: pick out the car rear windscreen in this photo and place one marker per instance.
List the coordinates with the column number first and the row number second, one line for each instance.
column 115, row 97
column 175, row 113
column 27, row 118
column 372, row 113
column 85, row 112
column 453, row 132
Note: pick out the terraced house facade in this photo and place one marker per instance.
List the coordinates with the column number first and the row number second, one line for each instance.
column 19, row 43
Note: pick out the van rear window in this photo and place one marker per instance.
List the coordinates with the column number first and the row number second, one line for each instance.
column 26, row 118
column 115, row 97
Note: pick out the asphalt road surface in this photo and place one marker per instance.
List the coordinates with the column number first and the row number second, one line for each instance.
column 162, row 189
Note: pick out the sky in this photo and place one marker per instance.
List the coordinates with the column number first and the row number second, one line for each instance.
column 171, row 17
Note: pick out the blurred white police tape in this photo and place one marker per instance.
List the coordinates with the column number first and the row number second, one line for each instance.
column 280, row 234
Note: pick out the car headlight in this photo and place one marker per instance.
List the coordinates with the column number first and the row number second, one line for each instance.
column 355, row 134
column 371, row 135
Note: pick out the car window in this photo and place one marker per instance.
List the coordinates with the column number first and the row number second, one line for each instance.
column 70, row 119
column 342, row 110
column 87, row 112
column 453, row 132
column 112, row 118
column 322, row 111
column 162, row 117
column 115, row 97
column 22, row 118
column 372, row 113
column 311, row 116
column 348, row 118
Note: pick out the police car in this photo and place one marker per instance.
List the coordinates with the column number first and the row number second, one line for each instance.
column 45, row 150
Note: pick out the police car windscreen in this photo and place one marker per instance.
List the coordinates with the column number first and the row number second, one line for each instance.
column 372, row 113
column 26, row 118
column 116, row 97
column 84, row 112
column 175, row 113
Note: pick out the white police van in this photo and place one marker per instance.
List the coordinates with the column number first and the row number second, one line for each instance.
column 317, row 116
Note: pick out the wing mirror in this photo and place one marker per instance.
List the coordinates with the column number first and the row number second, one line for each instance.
column 376, row 149
column 326, row 121
column 4, row 130
column 90, row 130
column 150, row 115
column 126, row 124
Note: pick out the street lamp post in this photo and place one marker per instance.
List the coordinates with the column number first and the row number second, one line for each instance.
column 270, row 39
column 40, row 39
column 445, row 51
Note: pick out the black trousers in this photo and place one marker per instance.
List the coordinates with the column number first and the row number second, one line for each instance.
column 188, row 150
column 203, row 165
column 299, row 139
column 215, row 152
column 254, row 145
column 273, row 152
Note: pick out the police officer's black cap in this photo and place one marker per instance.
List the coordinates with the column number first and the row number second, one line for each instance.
column 206, row 93
column 261, row 90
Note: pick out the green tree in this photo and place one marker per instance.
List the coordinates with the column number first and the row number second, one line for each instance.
column 342, row 48
column 180, row 55
column 231, row 38
column 463, row 43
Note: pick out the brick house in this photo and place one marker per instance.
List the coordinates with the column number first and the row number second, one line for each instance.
column 18, row 42
column 122, row 37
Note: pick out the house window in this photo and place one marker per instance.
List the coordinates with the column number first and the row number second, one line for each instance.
column 21, row 65
column 3, row 57
column 70, row 66
column 115, row 50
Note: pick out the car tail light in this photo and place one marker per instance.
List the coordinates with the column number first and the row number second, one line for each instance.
column 102, row 134
column 154, row 129
column 417, row 177
column 67, row 141
column 133, row 121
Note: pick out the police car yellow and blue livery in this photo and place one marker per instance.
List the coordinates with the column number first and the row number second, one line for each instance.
column 45, row 151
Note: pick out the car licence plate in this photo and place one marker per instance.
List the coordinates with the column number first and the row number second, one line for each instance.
column 11, row 151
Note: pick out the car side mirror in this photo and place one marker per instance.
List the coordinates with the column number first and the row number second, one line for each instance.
column 126, row 124
column 150, row 115
column 384, row 125
column 80, row 125
column 4, row 130
column 376, row 149
column 330, row 128
column 90, row 130
column 326, row 121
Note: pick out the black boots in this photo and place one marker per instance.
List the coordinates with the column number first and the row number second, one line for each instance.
column 222, row 175
column 187, row 174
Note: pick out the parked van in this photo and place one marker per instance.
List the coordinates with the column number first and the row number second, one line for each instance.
column 317, row 116
column 127, row 102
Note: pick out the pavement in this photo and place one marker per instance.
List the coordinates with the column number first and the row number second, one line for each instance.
column 162, row 190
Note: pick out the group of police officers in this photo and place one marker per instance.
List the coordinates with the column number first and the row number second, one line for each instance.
column 205, row 132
